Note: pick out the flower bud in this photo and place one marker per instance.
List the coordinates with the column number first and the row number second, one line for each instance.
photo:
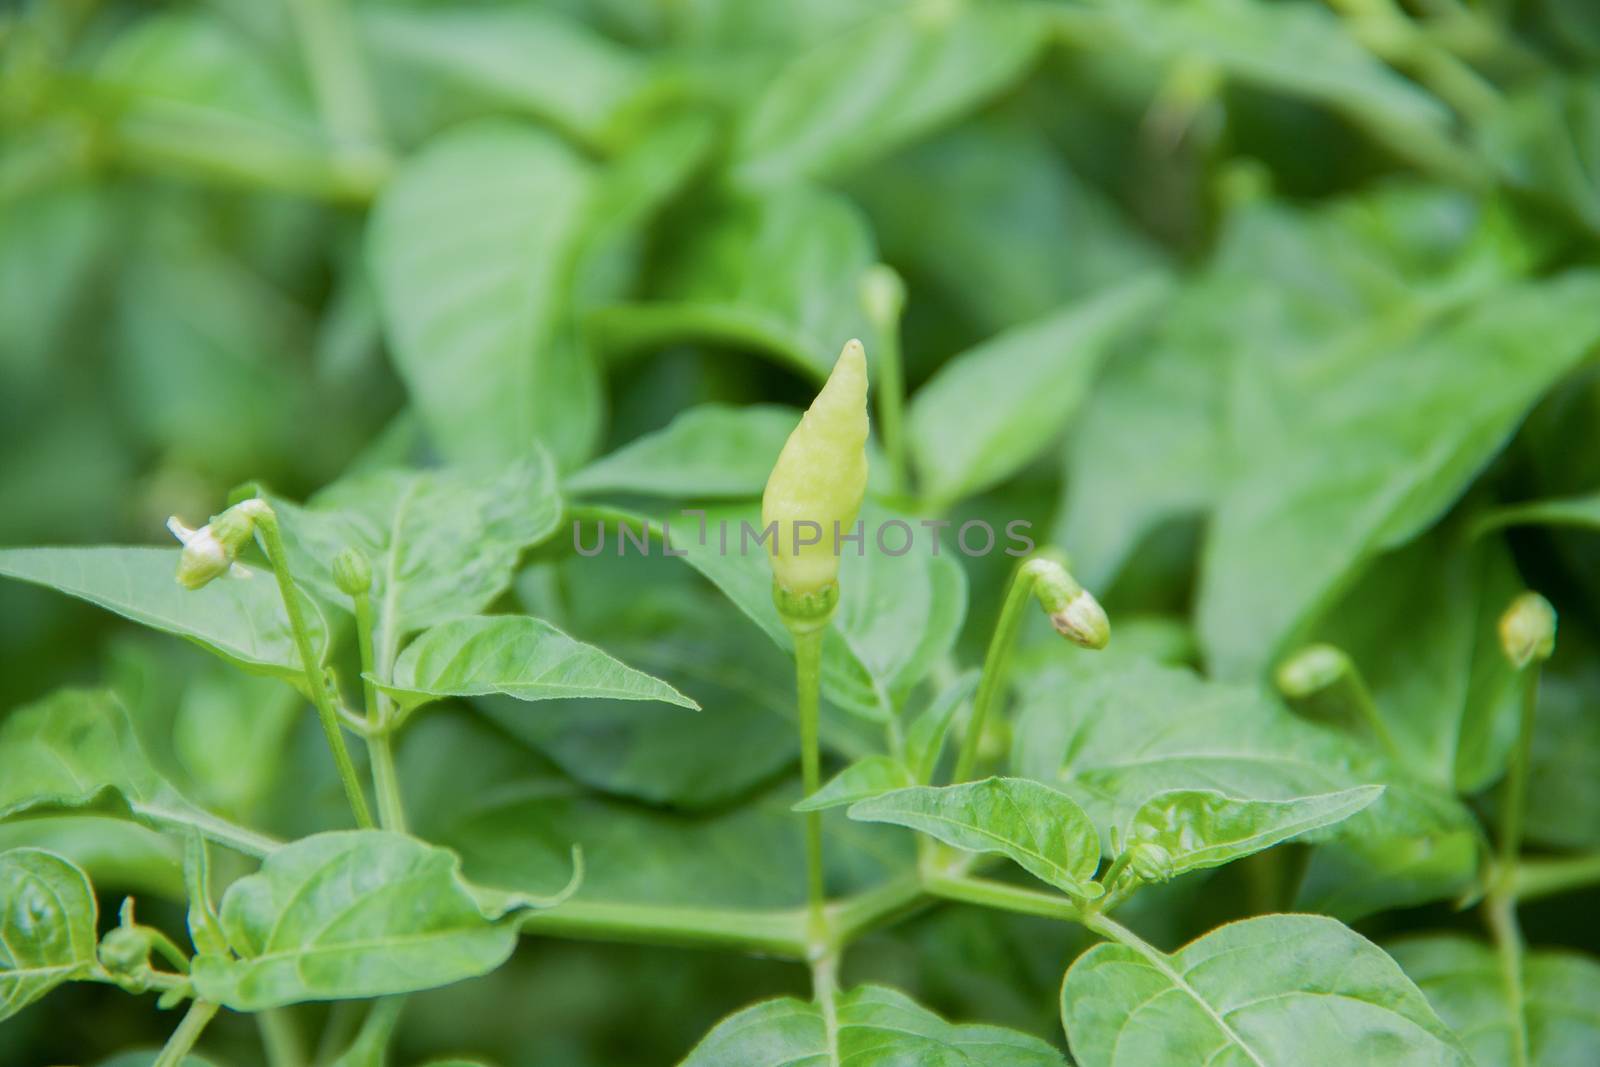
column 1528, row 630
column 1311, row 670
column 125, row 950
column 883, row 295
column 1073, row 610
column 819, row 480
column 352, row 573
column 209, row 552
column 1150, row 861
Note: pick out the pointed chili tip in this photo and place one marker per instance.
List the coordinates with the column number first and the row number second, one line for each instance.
column 1528, row 630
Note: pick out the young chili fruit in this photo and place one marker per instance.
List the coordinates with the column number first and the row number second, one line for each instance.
column 816, row 487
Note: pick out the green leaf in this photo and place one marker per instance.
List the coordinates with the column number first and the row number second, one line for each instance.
column 697, row 642
column 777, row 273
column 354, row 914
column 515, row 60
column 1274, row 991
column 1387, row 446
column 1298, row 49
column 1130, row 732
column 868, row 777
column 239, row 618
column 1542, row 141
column 926, row 736
column 990, row 410
column 874, row 1027
column 1198, row 828
column 1040, row 828
column 1147, row 448
column 1420, row 625
column 1559, row 1024
column 76, row 750
column 47, row 926
column 862, row 94
column 441, row 543
column 471, row 247
column 520, row 657
column 708, row 452
column 516, row 825
column 897, row 614
column 994, row 222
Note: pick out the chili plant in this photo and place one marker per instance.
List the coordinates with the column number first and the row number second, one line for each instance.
column 1140, row 651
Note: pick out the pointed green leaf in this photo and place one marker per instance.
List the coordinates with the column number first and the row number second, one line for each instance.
column 777, row 273
column 76, row 750
column 354, row 914
column 1274, row 991
column 865, row 778
column 1558, row 1026
column 1043, row 830
column 47, row 926
column 239, row 618
column 875, row 1027
column 521, row 60
column 709, row 451
column 441, row 543
column 470, row 246
column 1196, row 828
column 990, row 410
column 519, row 657
column 926, row 736
column 897, row 614
column 1363, row 472
column 862, row 94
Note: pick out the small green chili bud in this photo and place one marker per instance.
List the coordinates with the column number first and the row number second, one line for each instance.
column 1528, row 630
column 817, row 485
column 1073, row 610
column 883, row 295
column 1150, row 861
column 1312, row 670
column 125, row 950
column 352, row 573
column 210, row 551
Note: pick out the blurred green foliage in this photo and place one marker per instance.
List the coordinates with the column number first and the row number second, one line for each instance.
column 1260, row 309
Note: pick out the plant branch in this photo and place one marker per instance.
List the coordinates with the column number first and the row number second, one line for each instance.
column 808, row 684
column 338, row 74
column 1514, row 810
column 996, row 666
column 1537, row 878
column 183, row 1039
column 1004, row 897
column 316, row 684
column 280, row 1038
column 779, row 933
column 380, row 747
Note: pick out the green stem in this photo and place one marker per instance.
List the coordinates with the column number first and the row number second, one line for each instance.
column 377, row 1030
column 1546, row 877
column 891, row 400
column 1500, row 909
column 808, row 685
column 778, row 933
column 1515, row 798
column 1500, row 906
column 854, row 916
column 280, row 1038
column 338, row 73
column 825, row 989
column 183, row 1039
column 1005, row 897
column 316, row 684
column 380, row 747
column 996, row 666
